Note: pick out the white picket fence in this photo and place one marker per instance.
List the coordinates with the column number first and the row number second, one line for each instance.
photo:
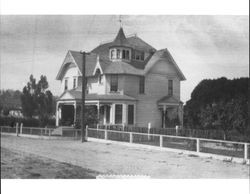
column 197, row 145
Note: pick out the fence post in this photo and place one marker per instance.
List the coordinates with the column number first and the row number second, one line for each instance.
column 97, row 126
column 149, row 127
column 123, row 126
column 197, row 145
column 106, row 134
column 21, row 128
column 176, row 130
column 130, row 137
column 16, row 129
column 49, row 132
column 86, row 134
column 41, row 132
column 245, row 151
column 161, row 141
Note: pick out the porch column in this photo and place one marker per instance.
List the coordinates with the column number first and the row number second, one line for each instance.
column 105, row 114
column 124, row 114
column 112, row 114
column 74, row 112
column 98, row 111
column 164, row 116
column 57, row 114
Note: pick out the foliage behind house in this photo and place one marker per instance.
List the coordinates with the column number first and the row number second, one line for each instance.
column 219, row 104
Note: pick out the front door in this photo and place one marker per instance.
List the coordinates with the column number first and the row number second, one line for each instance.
column 67, row 115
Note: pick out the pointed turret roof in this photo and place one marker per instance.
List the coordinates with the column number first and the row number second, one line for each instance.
column 120, row 39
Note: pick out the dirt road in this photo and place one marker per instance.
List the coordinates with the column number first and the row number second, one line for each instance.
column 119, row 159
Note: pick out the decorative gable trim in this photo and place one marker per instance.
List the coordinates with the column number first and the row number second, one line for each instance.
column 97, row 66
column 69, row 59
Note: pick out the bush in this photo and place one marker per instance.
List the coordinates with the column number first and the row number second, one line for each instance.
column 27, row 122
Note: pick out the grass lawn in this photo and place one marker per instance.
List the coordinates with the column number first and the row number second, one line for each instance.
column 29, row 166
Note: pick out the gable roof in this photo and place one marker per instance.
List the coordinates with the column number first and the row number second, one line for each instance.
column 101, row 54
column 163, row 54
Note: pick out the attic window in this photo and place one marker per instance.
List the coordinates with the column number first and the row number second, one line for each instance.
column 139, row 56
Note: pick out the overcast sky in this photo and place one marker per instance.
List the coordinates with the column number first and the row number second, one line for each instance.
column 202, row 46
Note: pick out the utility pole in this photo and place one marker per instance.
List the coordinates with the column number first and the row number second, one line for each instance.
column 83, row 97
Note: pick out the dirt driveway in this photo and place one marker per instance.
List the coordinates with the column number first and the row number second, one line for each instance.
column 119, row 159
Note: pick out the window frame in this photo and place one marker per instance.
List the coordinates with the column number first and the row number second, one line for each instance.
column 66, row 84
column 142, row 85
column 170, row 87
column 129, row 114
column 120, row 115
column 74, row 82
column 113, row 88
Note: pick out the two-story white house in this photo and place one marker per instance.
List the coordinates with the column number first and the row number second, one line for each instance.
column 128, row 81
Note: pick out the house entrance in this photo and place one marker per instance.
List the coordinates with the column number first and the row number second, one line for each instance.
column 67, row 115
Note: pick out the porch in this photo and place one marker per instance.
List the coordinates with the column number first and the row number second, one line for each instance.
column 103, row 109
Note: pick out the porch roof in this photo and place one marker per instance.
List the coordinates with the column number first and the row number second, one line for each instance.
column 77, row 95
column 169, row 100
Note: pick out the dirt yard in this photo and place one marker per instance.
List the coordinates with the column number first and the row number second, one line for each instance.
column 30, row 166
column 54, row 158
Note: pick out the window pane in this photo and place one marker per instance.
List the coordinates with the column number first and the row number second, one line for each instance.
column 65, row 84
column 170, row 87
column 130, row 114
column 118, row 113
column 142, row 85
column 118, row 54
column 114, row 83
column 123, row 54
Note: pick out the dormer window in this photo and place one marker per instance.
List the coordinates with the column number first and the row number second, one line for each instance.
column 120, row 53
column 139, row 56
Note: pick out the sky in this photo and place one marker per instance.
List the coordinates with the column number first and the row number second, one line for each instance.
column 204, row 47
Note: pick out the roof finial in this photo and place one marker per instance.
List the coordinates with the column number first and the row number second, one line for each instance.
column 120, row 21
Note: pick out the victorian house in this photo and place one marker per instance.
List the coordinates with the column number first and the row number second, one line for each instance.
column 128, row 82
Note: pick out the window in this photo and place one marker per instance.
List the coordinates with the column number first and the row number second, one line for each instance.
column 130, row 114
column 74, row 82
column 170, row 87
column 123, row 54
column 118, row 113
column 114, row 83
column 142, row 85
column 118, row 53
column 127, row 54
column 139, row 56
column 112, row 54
column 65, row 84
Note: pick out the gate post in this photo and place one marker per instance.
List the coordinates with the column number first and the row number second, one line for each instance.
column 161, row 141
column 197, row 145
column 130, row 137
column 16, row 129
column 21, row 128
column 245, row 151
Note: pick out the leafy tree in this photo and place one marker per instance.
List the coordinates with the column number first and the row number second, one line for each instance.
column 37, row 100
column 219, row 104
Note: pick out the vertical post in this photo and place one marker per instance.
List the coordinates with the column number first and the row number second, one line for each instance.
column 41, row 132
column 245, row 151
column 106, row 135
column 49, row 132
column 130, row 137
column 161, row 141
column 176, row 130
column 83, row 95
column 86, row 132
column 21, row 128
column 16, row 129
column 197, row 145
column 164, row 116
column 97, row 126
column 149, row 127
column 123, row 126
